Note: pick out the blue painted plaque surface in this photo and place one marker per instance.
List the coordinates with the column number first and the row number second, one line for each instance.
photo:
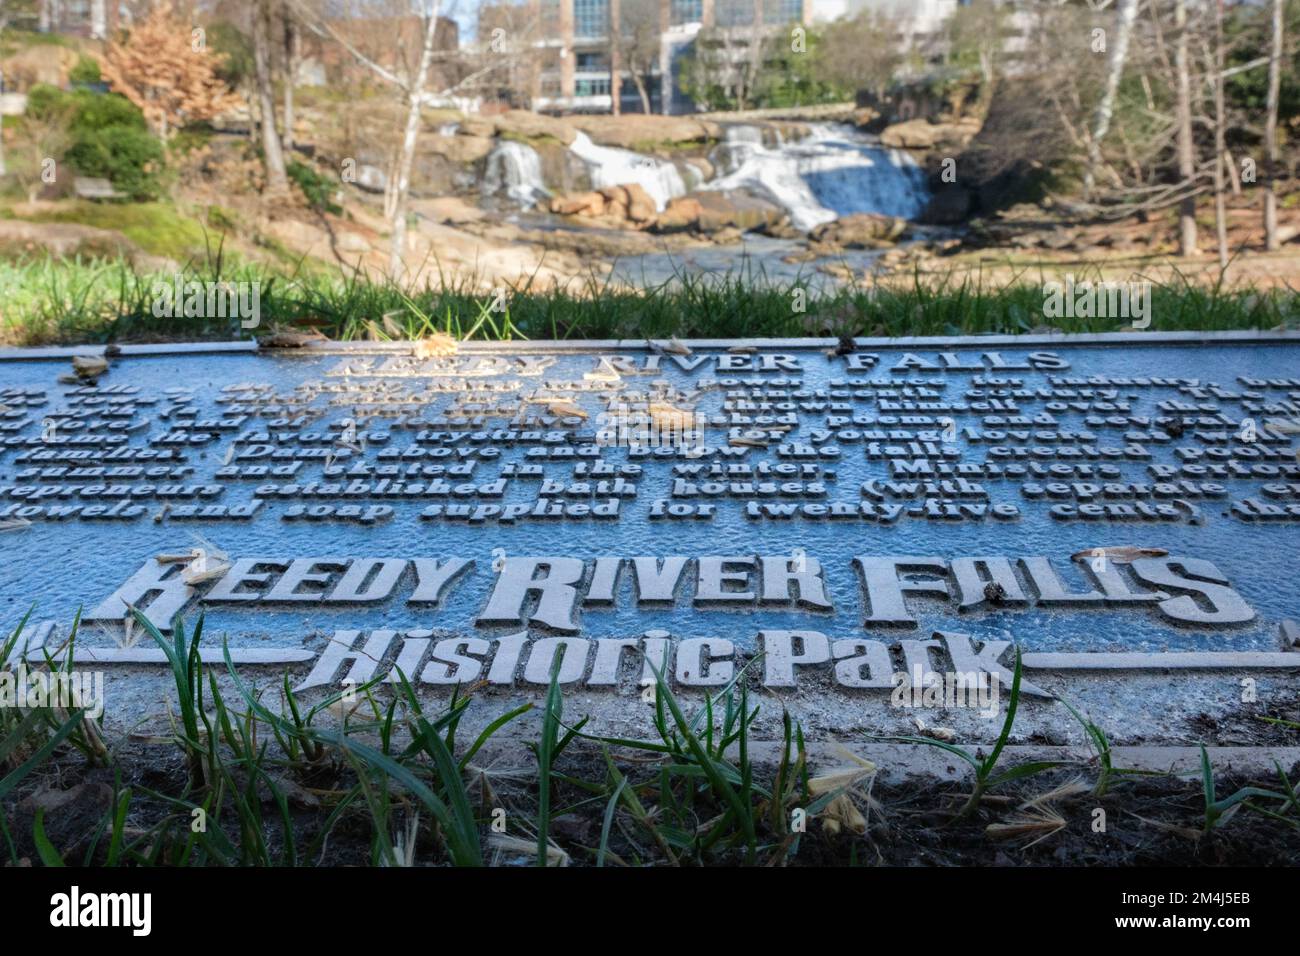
column 503, row 455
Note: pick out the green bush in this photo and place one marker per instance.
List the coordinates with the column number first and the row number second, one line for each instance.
column 225, row 38
column 130, row 158
column 96, row 112
column 44, row 101
column 85, row 72
column 109, row 138
column 318, row 189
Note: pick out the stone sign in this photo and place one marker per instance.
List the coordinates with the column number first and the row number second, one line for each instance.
column 840, row 528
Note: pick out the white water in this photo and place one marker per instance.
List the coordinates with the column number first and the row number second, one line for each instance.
column 515, row 169
column 618, row 167
column 835, row 171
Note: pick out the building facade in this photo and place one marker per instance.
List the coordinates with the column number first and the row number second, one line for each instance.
column 603, row 56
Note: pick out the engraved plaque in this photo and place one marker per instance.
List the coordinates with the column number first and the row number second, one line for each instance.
column 831, row 528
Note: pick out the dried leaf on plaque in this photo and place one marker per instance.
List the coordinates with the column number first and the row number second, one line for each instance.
column 665, row 415
column 1284, row 426
column 204, row 569
column 604, row 372
column 89, row 366
column 438, row 345
column 563, row 407
column 674, row 346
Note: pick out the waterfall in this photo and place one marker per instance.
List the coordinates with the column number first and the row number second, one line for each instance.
column 515, row 169
column 835, row 171
column 618, row 167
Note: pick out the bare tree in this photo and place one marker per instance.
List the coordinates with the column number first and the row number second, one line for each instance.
column 636, row 43
column 292, row 56
column 862, row 53
column 725, row 66
column 277, row 179
column 4, row 22
column 393, row 43
column 402, row 188
column 1124, row 18
column 977, row 32
column 1186, row 144
column 1216, row 62
column 1270, row 132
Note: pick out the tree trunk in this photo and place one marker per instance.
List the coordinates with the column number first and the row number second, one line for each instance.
column 3, row 169
column 406, row 160
column 277, row 180
column 1270, row 133
column 98, row 19
column 291, row 51
column 1125, row 16
column 1220, row 135
column 615, row 61
column 639, row 79
column 1186, row 146
column 43, row 17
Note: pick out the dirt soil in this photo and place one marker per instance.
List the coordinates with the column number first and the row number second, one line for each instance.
column 1148, row 820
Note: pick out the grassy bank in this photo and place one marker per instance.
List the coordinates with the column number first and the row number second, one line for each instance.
column 46, row 301
column 273, row 779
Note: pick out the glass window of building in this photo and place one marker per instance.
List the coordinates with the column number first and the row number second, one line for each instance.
column 782, row 11
column 592, row 87
column 590, row 18
column 734, row 13
column 686, row 11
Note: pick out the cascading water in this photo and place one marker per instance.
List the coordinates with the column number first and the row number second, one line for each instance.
column 835, row 171
column 516, row 170
column 618, row 167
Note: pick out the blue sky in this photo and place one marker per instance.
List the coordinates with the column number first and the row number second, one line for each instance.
column 465, row 13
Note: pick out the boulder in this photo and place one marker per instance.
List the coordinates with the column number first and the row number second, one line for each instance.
column 640, row 206
column 458, row 149
column 371, row 178
column 526, row 125
column 949, row 206
column 862, row 230
column 579, row 204
column 639, row 131
column 737, row 208
column 922, row 134
column 476, row 126
column 711, row 211
column 562, row 171
column 679, row 215
column 625, row 205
